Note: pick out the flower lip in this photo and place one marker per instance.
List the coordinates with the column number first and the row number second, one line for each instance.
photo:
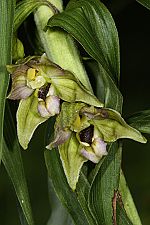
column 86, row 135
column 43, row 91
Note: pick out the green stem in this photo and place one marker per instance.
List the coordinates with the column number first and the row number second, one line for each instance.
column 59, row 45
column 128, row 201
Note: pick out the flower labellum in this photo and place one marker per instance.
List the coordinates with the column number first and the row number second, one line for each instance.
column 93, row 148
column 48, row 104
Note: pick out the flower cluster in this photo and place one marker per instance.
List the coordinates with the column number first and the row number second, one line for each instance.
column 83, row 126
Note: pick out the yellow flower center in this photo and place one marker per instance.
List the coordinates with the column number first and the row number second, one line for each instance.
column 31, row 74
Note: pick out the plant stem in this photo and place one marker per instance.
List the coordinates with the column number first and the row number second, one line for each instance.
column 59, row 45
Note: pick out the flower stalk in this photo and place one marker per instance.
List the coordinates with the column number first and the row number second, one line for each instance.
column 58, row 45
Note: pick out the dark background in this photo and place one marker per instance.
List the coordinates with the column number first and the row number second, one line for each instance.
column 133, row 24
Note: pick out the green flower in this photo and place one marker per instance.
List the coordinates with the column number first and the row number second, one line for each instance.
column 89, row 130
column 29, row 77
column 39, row 84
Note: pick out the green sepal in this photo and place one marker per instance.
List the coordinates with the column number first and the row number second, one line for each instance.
column 72, row 160
column 70, row 89
column 113, row 127
column 12, row 67
column 28, row 119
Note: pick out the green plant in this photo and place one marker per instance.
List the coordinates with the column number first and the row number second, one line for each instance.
column 92, row 194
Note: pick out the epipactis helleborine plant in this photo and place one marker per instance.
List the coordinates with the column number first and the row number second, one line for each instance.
column 83, row 126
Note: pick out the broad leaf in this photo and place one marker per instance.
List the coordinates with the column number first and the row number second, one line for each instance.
column 145, row 3
column 83, row 188
column 28, row 119
column 83, row 20
column 13, row 163
column 141, row 121
column 6, row 24
column 122, row 218
column 113, row 97
column 103, row 84
column 25, row 8
column 103, row 186
column 128, row 201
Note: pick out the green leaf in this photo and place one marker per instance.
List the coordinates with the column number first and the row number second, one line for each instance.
column 141, row 121
column 128, row 201
column 28, row 120
column 83, row 188
column 59, row 214
column 13, row 163
column 71, row 159
column 104, row 184
column 97, row 83
column 145, row 3
column 113, row 97
column 104, row 86
column 91, row 24
column 25, row 8
column 122, row 218
column 6, row 24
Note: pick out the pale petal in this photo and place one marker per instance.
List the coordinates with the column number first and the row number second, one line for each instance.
column 61, row 137
column 99, row 147
column 37, row 83
column 90, row 156
column 42, row 109
column 51, row 90
column 53, row 105
column 20, row 91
